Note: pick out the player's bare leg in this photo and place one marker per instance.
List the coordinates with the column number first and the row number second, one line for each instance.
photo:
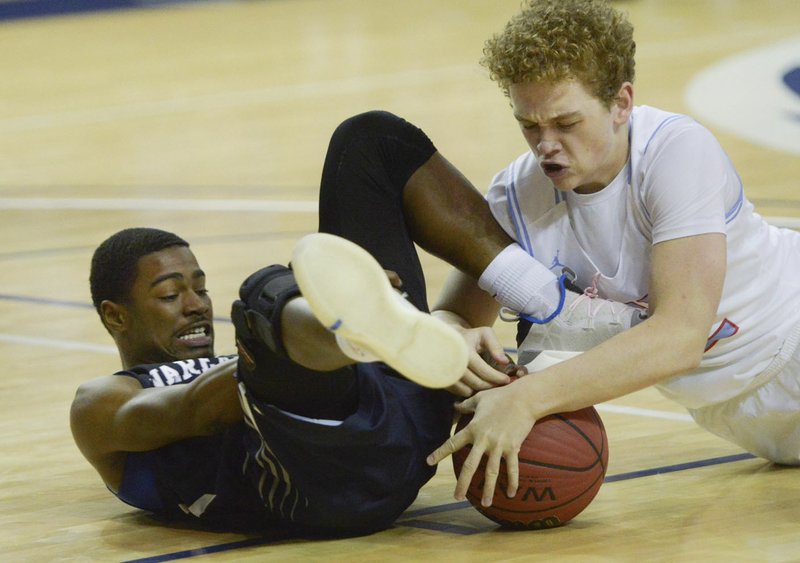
column 351, row 295
column 307, row 342
column 449, row 218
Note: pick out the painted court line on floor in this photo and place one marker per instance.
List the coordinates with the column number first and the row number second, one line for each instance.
column 650, row 413
column 56, row 343
column 412, row 517
column 144, row 204
column 221, row 205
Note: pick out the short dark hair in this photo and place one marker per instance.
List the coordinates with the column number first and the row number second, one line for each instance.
column 114, row 263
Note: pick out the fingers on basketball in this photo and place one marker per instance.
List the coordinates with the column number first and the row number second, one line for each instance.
column 561, row 466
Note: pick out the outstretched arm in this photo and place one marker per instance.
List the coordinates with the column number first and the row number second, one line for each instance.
column 687, row 276
column 113, row 415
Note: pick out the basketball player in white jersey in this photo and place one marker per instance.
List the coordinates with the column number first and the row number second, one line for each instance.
column 642, row 207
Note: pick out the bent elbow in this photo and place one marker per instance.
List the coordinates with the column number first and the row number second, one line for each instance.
column 689, row 352
column 692, row 360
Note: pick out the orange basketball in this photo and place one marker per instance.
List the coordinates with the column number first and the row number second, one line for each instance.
column 562, row 464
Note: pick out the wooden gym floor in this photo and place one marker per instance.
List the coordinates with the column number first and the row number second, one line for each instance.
column 211, row 119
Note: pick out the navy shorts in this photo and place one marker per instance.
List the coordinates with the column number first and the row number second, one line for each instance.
column 356, row 476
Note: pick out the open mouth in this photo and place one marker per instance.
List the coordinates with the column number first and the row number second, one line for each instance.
column 552, row 168
column 197, row 336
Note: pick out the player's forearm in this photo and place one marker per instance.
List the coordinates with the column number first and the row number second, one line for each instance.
column 155, row 417
column 212, row 401
column 463, row 303
column 645, row 355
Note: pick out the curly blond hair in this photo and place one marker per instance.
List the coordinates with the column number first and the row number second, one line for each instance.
column 553, row 40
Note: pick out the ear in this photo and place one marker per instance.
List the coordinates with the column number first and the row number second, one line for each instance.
column 113, row 315
column 623, row 104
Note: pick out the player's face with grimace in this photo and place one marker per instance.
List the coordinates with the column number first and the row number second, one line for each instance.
column 169, row 310
column 579, row 143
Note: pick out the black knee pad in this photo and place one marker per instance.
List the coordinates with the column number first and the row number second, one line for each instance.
column 256, row 315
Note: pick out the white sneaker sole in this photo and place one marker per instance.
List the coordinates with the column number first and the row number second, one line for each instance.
column 351, row 295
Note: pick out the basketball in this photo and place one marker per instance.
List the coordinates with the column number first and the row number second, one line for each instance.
column 562, row 464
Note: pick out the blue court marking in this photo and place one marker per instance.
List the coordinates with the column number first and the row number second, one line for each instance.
column 411, row 518
column 435, row 509
column 678, row 467
column 792, row 80
column 414, row 521
column 207, row 550
column 197, row 241
column 25, row 9
column 65, row 303
column 45, row 301
column 442, row 527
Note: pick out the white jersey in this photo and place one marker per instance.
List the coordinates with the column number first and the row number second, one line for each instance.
column 678, row 182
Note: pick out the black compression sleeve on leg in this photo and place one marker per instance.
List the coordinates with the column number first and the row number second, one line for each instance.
column 370, row 159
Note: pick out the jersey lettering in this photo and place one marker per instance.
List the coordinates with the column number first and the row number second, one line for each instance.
column 182, row 371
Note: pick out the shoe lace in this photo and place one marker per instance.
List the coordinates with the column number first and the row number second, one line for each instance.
column 591, row 291
column 594, row 306
column 588, row 296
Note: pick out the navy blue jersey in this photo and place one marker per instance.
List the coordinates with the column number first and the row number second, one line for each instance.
column 350, row 476
column 198, row 478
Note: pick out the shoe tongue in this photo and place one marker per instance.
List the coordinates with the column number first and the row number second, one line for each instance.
column 571, row 286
